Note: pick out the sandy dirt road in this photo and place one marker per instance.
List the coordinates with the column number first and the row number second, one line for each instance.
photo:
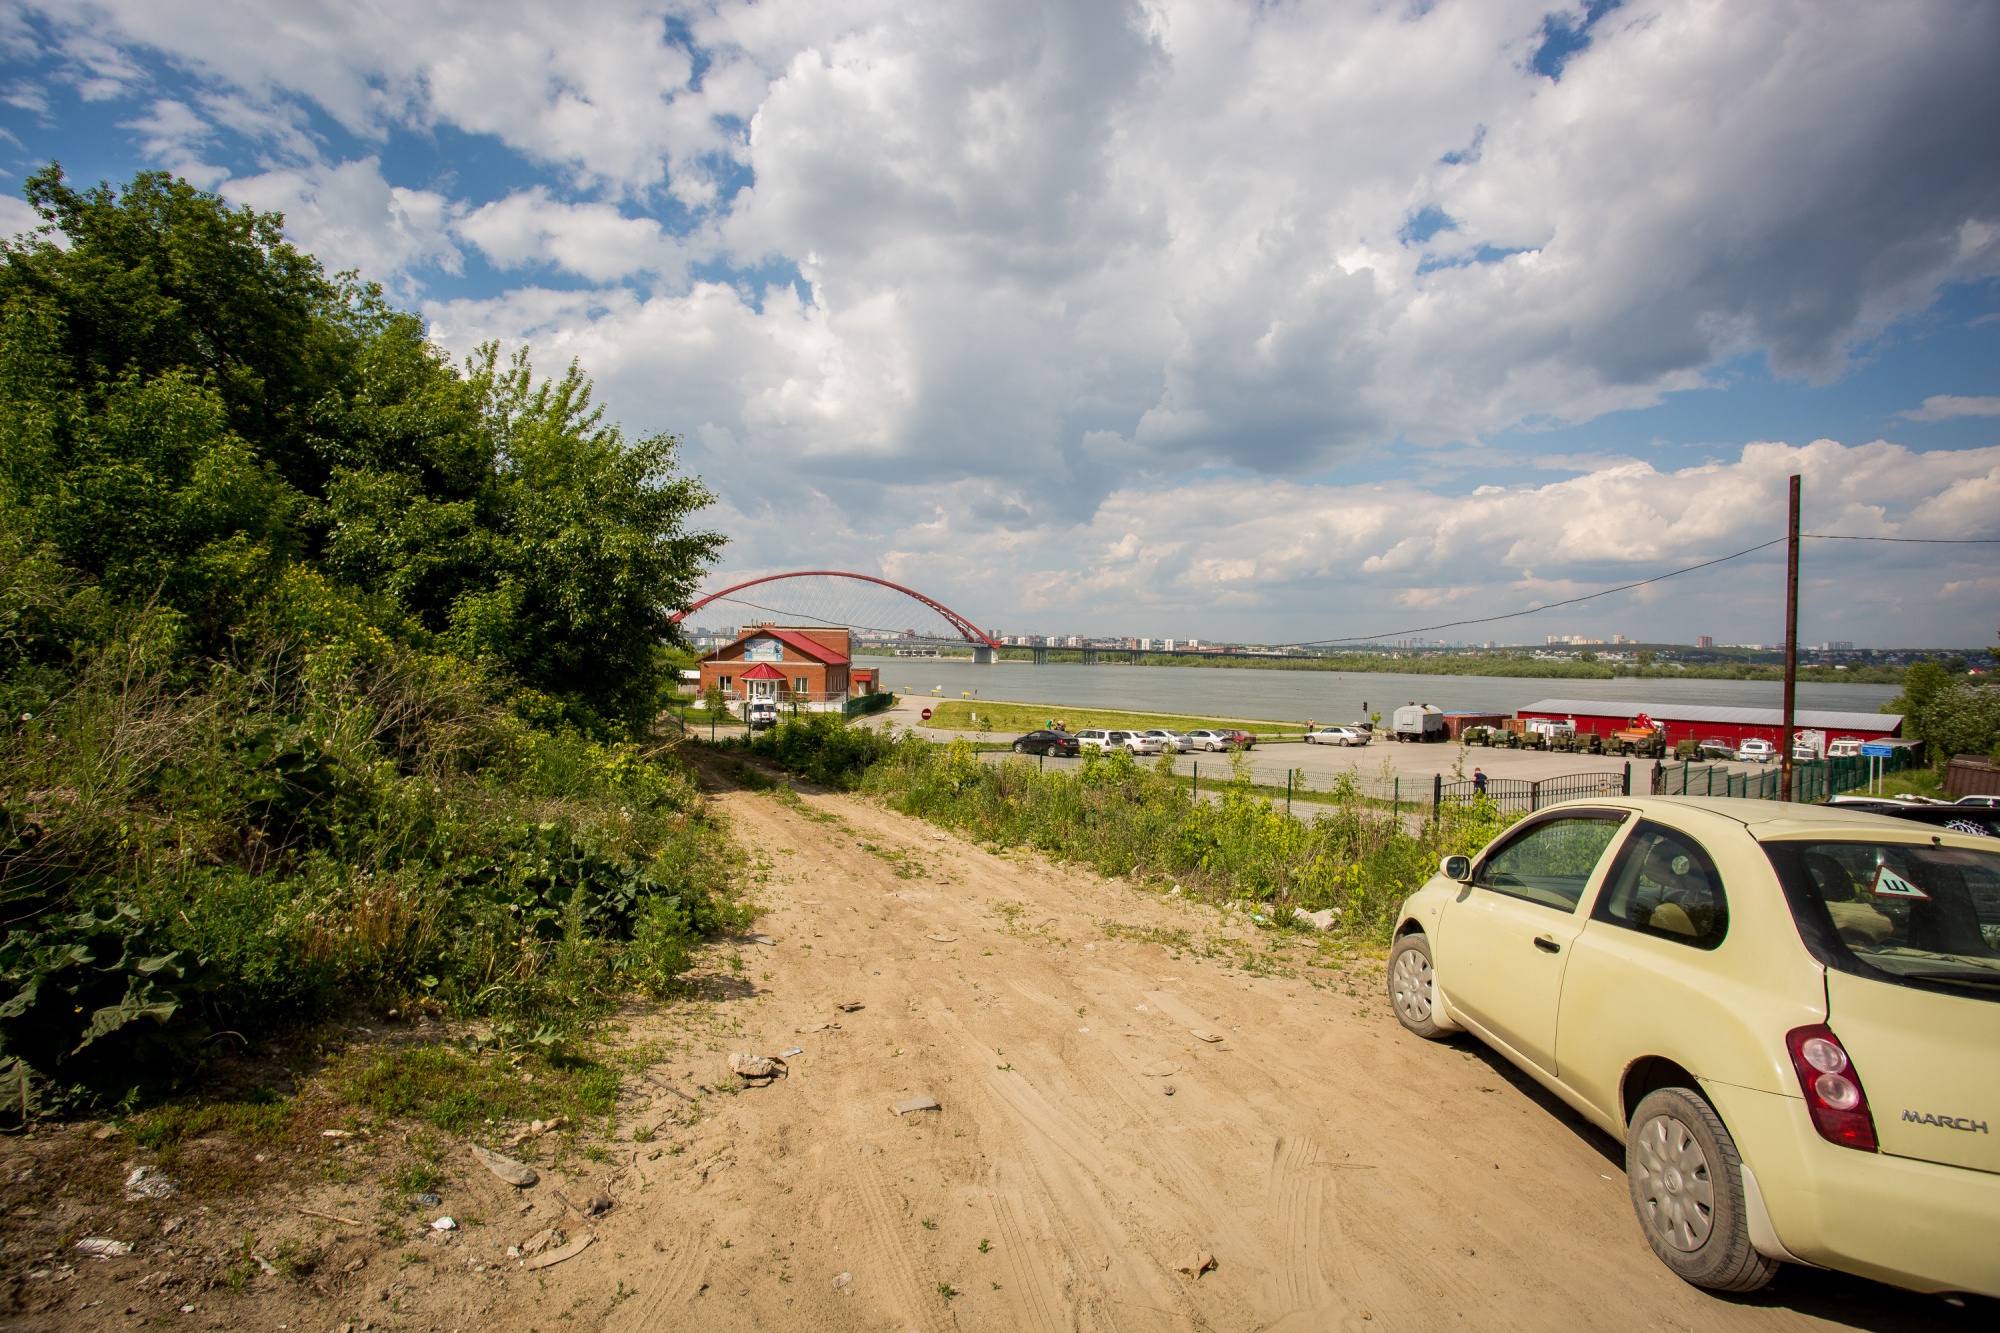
column 1093, row 1136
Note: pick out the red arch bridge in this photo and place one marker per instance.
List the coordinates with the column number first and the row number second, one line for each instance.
column 874, row 608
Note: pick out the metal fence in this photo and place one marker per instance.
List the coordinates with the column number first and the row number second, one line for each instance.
column 1812, row 780
column 1524, row 795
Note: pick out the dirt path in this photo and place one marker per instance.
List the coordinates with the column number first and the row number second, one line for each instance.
column 1090, row 1138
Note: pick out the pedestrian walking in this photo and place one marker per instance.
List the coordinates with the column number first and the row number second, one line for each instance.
column 1478, row 782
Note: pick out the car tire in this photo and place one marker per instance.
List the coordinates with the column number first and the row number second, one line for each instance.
column 1413, row 987
column 1020, row 748
column 1686, row 1181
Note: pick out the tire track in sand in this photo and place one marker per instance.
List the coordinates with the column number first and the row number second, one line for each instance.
column 669, row 1285
column 1297, row 1194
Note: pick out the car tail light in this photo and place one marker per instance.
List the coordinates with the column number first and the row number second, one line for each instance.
column 1838, row 1106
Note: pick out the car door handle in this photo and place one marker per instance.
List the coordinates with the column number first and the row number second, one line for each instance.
column 1547, row 945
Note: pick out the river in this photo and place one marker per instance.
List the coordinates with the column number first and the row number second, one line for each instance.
column 1325, row 696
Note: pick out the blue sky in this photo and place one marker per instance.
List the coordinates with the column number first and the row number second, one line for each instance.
column 1176, row 319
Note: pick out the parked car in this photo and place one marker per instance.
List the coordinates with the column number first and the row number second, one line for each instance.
column 1204, row 739
column 1138, row 742
column 1990, row 802
column 1059, row 743
column 1786, row 1012
column 1241, row 739
column 1980, row 822
column 1755, row 751
column 1337, row 736
column 760, row 714
column 1092, row 738
column 1173, row 742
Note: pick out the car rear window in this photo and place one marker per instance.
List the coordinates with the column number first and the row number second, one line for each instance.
column 1919, row 915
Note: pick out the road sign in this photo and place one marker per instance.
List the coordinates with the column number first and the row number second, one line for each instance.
column 1875, row 751
column 927, row 715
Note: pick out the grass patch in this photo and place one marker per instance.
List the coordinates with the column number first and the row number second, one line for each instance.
column 459, row 1093
column 261, row 1122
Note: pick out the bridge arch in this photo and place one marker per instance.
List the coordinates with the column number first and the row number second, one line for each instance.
column 985, row 647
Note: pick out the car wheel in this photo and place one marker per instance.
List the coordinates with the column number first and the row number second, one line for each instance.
column 1413, row 987
column 1020, row 748
column 1686, row 1181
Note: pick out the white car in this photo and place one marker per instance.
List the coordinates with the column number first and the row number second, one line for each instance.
column 1337, row 736
column 1209, row 740
column 1756, row 752
column 1138, row 742
column 1172, row 742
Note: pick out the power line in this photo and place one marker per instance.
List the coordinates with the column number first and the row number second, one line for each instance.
column 1537, row 610
column 1626, row 587
column 1925, row 541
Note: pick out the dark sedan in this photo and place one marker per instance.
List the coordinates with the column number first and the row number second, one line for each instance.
column 1957, row 818
column 1059, row 743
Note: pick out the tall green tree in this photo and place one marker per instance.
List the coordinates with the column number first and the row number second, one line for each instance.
column 192, row 411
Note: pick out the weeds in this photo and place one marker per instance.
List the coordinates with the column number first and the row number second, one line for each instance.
column 1127, row 821
column 458, row 1093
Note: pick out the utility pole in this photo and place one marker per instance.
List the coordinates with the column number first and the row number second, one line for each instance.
column 1791, row 648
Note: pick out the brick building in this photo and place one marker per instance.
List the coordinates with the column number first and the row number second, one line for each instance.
column 808, row 668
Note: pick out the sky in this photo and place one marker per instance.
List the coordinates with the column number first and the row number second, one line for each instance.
column 1265, row 321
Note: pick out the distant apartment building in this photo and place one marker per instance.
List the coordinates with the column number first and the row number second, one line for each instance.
column 1704, row 641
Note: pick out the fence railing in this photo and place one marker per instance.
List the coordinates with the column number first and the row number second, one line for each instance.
column 1812, row 781
column 1526, row 795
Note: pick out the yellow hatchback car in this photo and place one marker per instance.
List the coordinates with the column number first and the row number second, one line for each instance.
column 1789, row 1013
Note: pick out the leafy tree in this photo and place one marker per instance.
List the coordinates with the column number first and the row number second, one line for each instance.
column 191, row 413
column 1961, row 718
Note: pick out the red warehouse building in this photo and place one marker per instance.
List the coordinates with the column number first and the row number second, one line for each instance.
column 1706, row 722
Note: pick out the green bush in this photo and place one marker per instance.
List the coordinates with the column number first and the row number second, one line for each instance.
column 822, row 748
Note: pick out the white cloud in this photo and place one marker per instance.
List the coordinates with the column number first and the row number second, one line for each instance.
column 1945, row 406
column 1058, row 256
column 351, row 217
column 16, row 216
column 593, row 241
column 1247, row 556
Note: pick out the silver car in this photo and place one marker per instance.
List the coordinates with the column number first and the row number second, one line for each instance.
column 1337, row 736
column 1172, row 742
column 1209, row 740
column 1138, row 742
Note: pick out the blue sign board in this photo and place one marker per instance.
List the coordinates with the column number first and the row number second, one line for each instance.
column 1876, row 750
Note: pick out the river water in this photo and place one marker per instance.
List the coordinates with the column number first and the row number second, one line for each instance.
column 1324, row 696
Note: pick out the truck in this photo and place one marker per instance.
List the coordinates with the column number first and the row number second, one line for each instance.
column 1418, row 722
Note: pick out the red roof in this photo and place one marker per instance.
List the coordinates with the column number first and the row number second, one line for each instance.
column 812, row 648
column 762, row 671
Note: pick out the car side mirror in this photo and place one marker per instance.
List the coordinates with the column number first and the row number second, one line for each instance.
column 1456, row 868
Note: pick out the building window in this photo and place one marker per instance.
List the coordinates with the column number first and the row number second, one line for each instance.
column 798, row 685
